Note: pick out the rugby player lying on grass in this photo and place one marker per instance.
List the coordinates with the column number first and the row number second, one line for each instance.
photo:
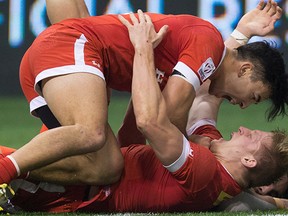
column 268, row 197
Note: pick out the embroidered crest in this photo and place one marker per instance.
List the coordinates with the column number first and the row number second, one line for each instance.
column 206, row 69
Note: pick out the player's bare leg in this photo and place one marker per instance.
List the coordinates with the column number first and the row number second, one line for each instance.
column 100, row 167
column 79, row 102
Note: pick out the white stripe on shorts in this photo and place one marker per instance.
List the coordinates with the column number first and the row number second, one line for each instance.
column 79, row 50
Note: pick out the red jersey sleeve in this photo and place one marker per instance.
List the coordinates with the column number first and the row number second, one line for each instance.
column 201, row 51
column 208, row 131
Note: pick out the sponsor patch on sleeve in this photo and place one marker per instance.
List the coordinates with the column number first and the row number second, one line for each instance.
column 206, row 69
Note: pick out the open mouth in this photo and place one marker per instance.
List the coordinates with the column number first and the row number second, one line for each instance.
column 227, row 98
column 230, row 99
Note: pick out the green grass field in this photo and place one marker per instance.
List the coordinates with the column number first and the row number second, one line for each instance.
column 17, row 127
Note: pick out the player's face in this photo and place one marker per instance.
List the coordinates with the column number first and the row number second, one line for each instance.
column 244, row 141
column 277, row 189
column 241, row 91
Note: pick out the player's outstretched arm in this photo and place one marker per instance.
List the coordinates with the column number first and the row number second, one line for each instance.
column 280, row 203
column 257, row 22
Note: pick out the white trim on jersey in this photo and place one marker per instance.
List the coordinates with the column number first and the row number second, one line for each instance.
column 181, row 160
column 65, row 70
column 188, row 74
column 79, row 66
column 222, row 58
column 199, row 124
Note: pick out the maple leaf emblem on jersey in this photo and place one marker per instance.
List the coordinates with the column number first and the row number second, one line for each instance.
column 206, row 69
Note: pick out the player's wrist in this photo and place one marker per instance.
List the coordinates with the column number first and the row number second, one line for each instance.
column 279, row 203
column 144, row 49
column 240, row 37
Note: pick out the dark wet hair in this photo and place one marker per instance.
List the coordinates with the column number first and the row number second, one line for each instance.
column 269, row 67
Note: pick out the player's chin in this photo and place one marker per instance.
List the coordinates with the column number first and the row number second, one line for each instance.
column 213, row 145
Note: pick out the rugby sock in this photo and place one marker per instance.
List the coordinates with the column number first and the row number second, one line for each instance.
column 8, row 170
column 6, row 151
column 19, row 174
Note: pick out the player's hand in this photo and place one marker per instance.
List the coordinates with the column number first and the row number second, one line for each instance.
column 285, row 201
column 142, row 30
column 261, row 20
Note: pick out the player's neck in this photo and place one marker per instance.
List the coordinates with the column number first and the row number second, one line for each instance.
column 224, row 69
column 236, row 171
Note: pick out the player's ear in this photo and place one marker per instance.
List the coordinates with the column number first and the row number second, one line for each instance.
column 245, row 69
column 249, row 161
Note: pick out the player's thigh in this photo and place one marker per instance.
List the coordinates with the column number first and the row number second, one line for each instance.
column 78, row 98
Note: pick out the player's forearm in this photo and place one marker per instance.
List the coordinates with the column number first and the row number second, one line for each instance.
column 128, row 133
column 280, row 203
column 146, row 94
column 205, row 106
column 178, row 106
column 240, row 36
